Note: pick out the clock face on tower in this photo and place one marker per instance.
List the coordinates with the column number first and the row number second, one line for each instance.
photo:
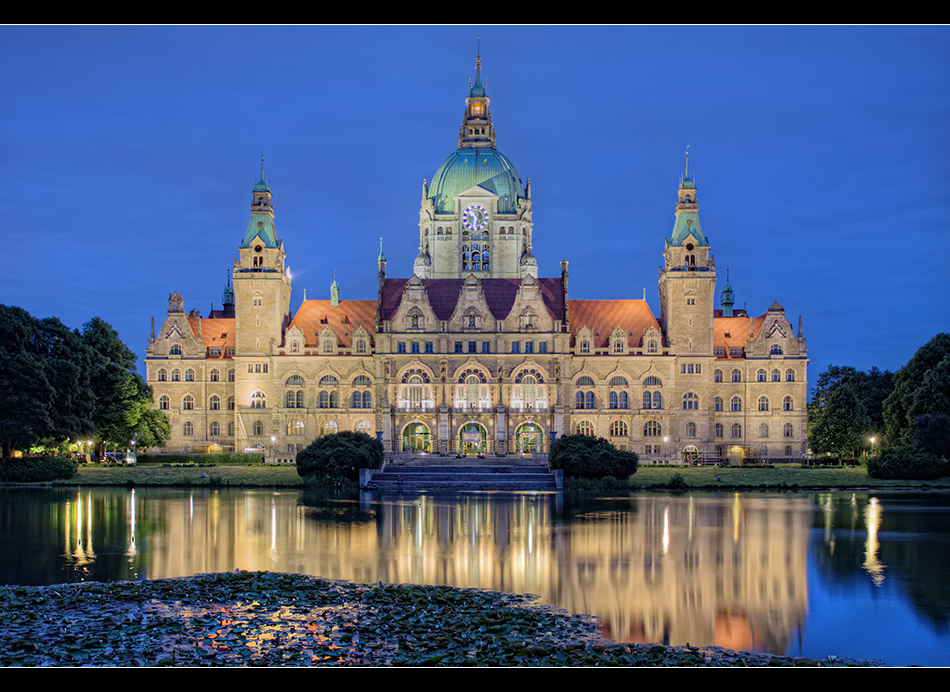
column 475, row 217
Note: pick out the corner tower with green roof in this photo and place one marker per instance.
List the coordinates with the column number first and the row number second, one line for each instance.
column 261, row 280
column 687, row 283
column 476, row 214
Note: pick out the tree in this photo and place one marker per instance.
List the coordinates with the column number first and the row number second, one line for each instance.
column 920, row 387
column 870, row 388
column 340, row 455
column 122, row 400
column 842, row 426
column 44, row 381
column 585, row 456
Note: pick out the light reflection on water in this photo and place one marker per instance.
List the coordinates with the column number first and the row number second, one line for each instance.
column 785, row 573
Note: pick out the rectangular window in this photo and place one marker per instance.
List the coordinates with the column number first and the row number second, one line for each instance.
column 472, row 347
column 401, row 347
column 486, row 347
column 458, row 347
column 515, row 347
column 429, row 348
column 543, row 347
column 415, row 347
column 529, row 347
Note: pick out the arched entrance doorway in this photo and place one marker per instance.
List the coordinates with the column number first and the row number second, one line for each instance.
column 473, row 439
column 416, row 437
column 529, row 438
column 735, row 455
column 690, row 454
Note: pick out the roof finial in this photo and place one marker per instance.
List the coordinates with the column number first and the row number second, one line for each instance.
column 687, row 161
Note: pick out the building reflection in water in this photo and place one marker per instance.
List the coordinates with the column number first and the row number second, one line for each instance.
column 725, row 570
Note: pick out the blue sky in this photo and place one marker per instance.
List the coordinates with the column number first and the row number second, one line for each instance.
column 821, row 157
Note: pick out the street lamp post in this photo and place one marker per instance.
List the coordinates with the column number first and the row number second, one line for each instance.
column 873, row 437
column 273, row 450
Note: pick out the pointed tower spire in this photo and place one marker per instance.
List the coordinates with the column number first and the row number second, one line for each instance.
column 728, row 299
column 334, row 291
column 477, row 131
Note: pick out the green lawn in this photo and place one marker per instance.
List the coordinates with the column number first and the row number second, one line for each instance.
column 774, row 477
column 645, row 477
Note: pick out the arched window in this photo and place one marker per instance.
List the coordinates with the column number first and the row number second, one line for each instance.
column 258, row 428
column 652, row 429
column 328, row 381
column 231, row 428
column 618, row 381
column 214, row 375
column 763, row 403
column 718, row 430
column 652, row 381
column 214, row 403
column 291, row 399
column 164, row 403
column 231, row 375
column 295, row 428
column 618, row 429
column 585, row 427
column 691, row 429
column 330, row 428
column 787, row 404
column 736, row 403
column 258, row 399
column 175, row 350
column 788, row 430
column 367, row 399
column 231, row 403
column 760, row 375
column 362, row 381
column 585, row 382
column 188, row 403
column 176, row 375
column 717, row 376
column 763, row 430
column 357, row 400
column 736, row 430
column 789, row 375
column 295, row 381
column 776, row 375
column 188, row 429
column 737, row 375
column 690, row 402
column 162, row 375
column 585, row 346
column 776, row 350
column 189, row 375
column 717, row 403
column 214, row 429
column 657, row 400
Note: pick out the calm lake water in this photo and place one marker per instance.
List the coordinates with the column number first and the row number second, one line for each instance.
column 856, row 574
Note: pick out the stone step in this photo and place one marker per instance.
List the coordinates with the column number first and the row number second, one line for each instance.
column 468, row 477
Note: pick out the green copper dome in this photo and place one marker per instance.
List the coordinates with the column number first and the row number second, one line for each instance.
column 466, row 168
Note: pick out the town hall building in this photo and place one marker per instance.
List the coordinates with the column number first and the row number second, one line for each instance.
column 475, row 353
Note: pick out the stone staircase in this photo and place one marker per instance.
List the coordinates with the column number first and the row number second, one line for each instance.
column 447, row 473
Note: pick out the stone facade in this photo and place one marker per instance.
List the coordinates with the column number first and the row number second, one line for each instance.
column 475, row 353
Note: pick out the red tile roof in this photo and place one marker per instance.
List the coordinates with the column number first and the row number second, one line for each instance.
column 316, row 315
column 603, row 316
column 216, row 332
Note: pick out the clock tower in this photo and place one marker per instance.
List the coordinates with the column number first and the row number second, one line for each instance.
column 475, row 217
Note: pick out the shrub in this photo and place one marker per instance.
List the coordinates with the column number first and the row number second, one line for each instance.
column 341, row 455
column 220, row 459
column 584, row 456
column 677, row 482
column 906, row 463
column 33, row 469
